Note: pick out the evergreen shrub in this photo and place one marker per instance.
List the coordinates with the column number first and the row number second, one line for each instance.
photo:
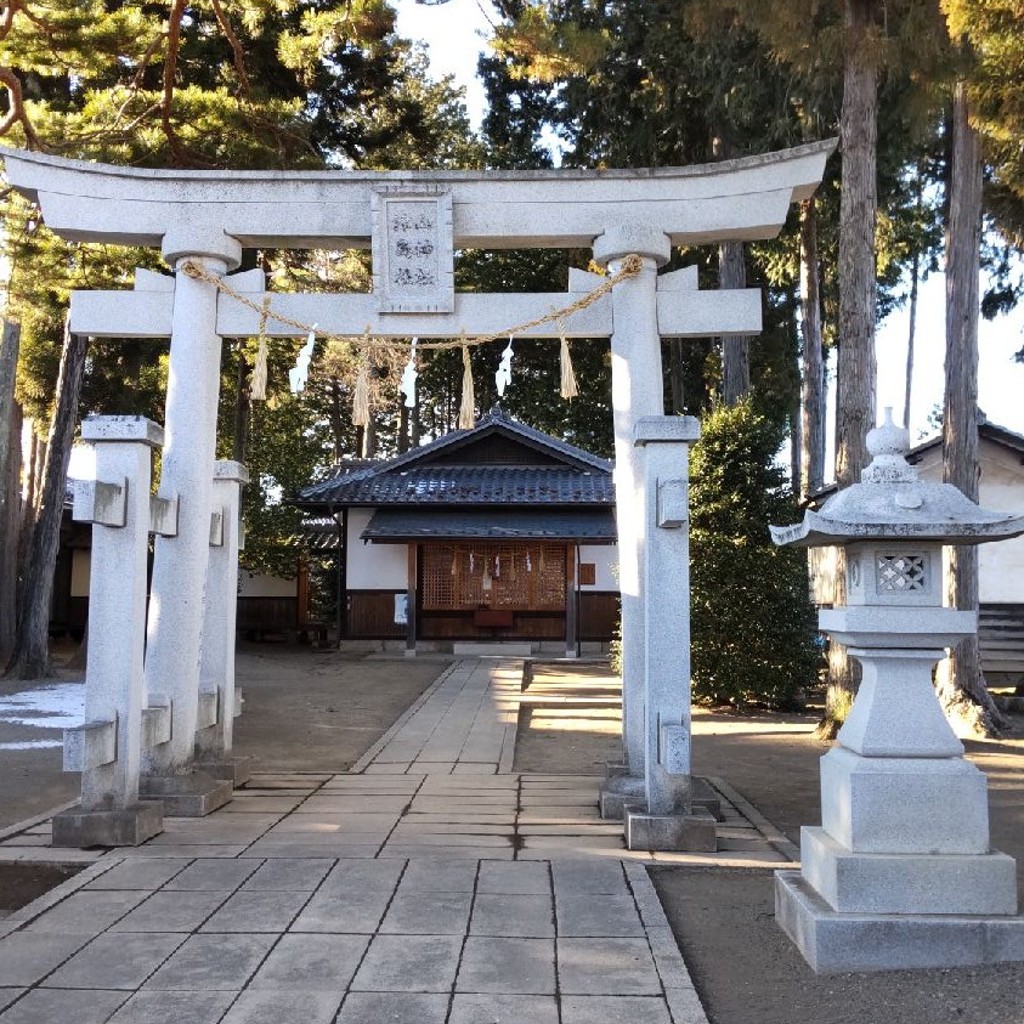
column 752, row 624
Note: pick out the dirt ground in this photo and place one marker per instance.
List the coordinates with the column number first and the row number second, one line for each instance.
column 745, row 969
column 315, row 711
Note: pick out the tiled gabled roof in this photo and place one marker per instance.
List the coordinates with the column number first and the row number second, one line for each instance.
column 431, row 475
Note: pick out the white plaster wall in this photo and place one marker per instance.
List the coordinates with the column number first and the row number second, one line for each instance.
column 374, row 566
column 81, row 562
column 606, row 559
column 250, row 585
column 1000, row 565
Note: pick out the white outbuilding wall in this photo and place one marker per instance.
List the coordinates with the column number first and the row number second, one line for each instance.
column 1000, row 566
column 373, row 566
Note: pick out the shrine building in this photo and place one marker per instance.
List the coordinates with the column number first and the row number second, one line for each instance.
column 499, row 533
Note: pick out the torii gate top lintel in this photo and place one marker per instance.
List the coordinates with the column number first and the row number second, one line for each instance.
column 741, row 199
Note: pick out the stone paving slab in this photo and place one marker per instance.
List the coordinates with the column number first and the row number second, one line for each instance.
column 430, row 886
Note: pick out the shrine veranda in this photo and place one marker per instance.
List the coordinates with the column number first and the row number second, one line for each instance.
column 413, row 222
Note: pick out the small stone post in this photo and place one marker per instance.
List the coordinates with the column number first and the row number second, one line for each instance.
column 179, row 563
column 667, row 819
column 217, row 657
column 901, row 872
column 637, row 391
column 107, row 749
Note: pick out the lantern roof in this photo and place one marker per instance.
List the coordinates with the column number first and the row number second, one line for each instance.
column 891, row 503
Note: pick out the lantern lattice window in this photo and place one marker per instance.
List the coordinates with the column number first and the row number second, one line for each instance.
column 901, row 574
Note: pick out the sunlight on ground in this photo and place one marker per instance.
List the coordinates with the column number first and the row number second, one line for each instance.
column 604, row 720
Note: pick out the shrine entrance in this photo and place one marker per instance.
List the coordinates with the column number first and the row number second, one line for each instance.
column 491, row 590
column 413, row 222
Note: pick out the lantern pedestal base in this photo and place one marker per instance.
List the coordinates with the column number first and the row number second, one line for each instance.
column 901, row 883
column 904, row 804
column 831, row 941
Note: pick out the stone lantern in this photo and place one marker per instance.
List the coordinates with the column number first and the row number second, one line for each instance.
column 900, row 873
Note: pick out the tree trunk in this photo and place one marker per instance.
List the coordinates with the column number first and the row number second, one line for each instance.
column 243, row 407
column 403, row 429
column 30, row 659
column 676, row 375
column 915, row 273
column 335, row 418
column 961, row 684
column 795, row 450
column 369, row 450
column 812, row 382
column 732, row 273
column 10, row 497
column 415, row 427
column 855, row 401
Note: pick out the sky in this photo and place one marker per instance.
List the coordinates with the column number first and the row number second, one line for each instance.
column 455, row 33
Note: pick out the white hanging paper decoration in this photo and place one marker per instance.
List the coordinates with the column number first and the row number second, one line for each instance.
column 529, row 563
column 472, row 563
column 409, row 375
column 299, row 373
column 497, row 567
column 503, row 377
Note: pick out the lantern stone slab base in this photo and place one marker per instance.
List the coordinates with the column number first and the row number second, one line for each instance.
column 125, row 826
column 901, row 883
column 831, row 941
column 187, row 796
column 233, row 770
column 620, row 791
column 679, row 833
column 904, row 804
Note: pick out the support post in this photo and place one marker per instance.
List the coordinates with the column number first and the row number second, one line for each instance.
column 667, row 819
column 571, row 599
column 637, row 390
column 108, row 748
column 412, row 601
column 180, row 562
column 217, row 657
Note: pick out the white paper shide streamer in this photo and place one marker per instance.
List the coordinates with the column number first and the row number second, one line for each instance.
column 299, row 373
column 409, row 375
column 503, row 377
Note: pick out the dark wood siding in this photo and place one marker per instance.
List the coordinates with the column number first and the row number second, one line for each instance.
column 371, row 615
column 598, row 615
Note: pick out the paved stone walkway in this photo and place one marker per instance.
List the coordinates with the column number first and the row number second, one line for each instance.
column 429, row 886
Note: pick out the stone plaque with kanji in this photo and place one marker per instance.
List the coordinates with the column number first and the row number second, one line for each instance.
column 413, row 249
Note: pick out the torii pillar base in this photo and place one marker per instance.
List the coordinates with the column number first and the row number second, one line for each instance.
column 234, row 770
column 693, row 832
column 192, row 795
column 124, row 826
column 621, row 790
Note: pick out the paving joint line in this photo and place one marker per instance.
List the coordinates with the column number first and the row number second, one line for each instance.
column 391, row 831
column 367, row 758
column 772, row 835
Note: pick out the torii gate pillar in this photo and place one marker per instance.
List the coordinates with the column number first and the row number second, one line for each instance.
column 637, row 391
column 176, row 601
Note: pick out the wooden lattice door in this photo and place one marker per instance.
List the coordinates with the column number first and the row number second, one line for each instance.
column 517, row 577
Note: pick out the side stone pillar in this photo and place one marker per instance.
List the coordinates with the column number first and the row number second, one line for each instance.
column 107, row 750
column 637, row 391
column 179, row 562
column 665, row 819
column 217, row 657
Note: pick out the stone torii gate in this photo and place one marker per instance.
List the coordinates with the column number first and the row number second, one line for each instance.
column 413, row 222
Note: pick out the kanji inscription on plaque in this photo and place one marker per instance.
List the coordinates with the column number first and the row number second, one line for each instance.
column 413, row 250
